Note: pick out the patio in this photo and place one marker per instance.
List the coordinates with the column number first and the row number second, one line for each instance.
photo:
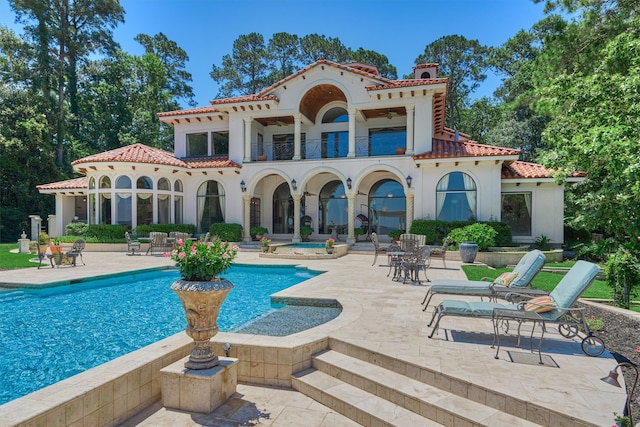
column 374, row 364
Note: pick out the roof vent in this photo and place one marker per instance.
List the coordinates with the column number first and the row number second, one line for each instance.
column 425, row 71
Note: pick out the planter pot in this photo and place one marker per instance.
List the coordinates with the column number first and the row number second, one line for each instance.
column 201, row 302
column 265, row 249
column 259, row 237
column 262, row 158
column 400, row 151
column 468, row 252
column 329, row 250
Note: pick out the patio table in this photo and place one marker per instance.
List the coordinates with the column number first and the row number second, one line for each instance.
column 504, row 315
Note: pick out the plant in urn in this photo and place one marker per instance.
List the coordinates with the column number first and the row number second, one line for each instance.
column 202, row 292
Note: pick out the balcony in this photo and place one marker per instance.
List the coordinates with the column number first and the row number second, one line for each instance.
column 313, row 149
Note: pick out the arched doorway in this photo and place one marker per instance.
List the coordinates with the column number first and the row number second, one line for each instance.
column 210, row 205
column 332, row 208
column 282, row 210
column 387, row 207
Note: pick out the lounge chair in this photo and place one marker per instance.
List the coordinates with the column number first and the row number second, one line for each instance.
column 132, row 245
column 556, row 309
column 377, row 248
column 441, row 252
column 526, row 269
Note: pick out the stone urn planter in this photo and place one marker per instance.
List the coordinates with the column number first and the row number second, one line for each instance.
column 201, row 301
column 468, row 252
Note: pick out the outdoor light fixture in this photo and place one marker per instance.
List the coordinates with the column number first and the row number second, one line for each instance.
column 409, row 179
column 243, row 186
column 294, row 184
column 349, row 182
column 612, row 379
column 226, row 347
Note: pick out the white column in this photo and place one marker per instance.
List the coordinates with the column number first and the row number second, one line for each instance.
column 247, row 139
column 351, row 237
column 352, row 132
column 409, row 200
column 410, row 129
column 297, row 137
column 36, row 226
column 246, row 226
column 296, row 218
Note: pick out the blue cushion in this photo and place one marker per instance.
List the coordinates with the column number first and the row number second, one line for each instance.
column 527, row 268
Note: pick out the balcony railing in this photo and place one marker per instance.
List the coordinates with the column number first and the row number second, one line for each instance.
column 377, row 145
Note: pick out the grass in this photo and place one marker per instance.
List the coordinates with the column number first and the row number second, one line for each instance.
column 9, row 260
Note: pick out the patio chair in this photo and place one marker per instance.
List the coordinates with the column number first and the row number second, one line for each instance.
column 377, row 248
column 410, row 241
column 519, row 280
column 42, row 255
column 76, row 251
column 132, row 245
column 556, row 308
column 207, row 238
column 158, row 241
column 441, row 252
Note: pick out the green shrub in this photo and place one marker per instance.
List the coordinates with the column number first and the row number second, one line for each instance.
column 305, row 231
column 395, row 234
column 76, row 229
column 43, row 238
column 106, row 233
column 435, row 230
column 226, row 232
column 258, row 231
column 358, row 232
column 482, row 234
column 144, row 230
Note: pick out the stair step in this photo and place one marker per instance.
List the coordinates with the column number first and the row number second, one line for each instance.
column 359, row 405
column 423, row 399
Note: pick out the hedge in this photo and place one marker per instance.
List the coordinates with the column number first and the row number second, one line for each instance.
column 435, row 230
column 226, row 232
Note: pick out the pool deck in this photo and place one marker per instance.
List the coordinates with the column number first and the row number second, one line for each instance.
column 382, row 326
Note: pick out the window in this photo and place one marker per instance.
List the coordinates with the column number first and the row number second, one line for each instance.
column 282, row 210
column 336, row 115
column 145, row 183
column 335, row 144
column 163, row 184
column 123, row 208
column 333, row 208
column 254, row 212
column 516, row 212
column 387, row 207
column 220, row 142
column 283, row 146
column 123, row 182
column 144, row 205
column 456, row 197
column 210, row 205
column 105, row 182
column 384, row 141
column 197, row 145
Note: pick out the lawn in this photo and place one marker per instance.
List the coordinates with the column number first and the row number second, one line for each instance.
column 9, row 260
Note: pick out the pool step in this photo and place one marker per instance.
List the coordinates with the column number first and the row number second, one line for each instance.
column 340, row 381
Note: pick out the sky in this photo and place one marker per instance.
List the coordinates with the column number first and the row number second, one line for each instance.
column 399, row 29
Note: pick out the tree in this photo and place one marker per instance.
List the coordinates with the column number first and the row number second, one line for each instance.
column 314, row 47
column 245, row 71
column 464, row 63
column 173, row 59
column 479, row 119
column 371, row 57
column 283, row 51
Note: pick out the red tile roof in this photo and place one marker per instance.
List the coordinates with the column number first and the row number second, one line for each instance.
column 406, row 83
column 524, row 170
column 442, row 149
column 81, row 183
column 245, row 98
column 140, row 153
column 197, row 110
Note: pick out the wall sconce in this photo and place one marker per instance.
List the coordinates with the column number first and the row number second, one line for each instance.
column 409, row 179
column 612, row 379
column 243, row 186
column 294, row 184
column 349, row 182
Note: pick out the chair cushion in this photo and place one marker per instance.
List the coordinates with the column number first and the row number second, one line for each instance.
column 471, row 308
column 461, row 287
column 540, row 304
column 505, row 279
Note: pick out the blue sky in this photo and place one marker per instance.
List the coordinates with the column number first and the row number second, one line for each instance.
column 399, row 29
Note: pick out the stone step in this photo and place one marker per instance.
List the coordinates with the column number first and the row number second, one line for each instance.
column 423, row 399
column 359, row 405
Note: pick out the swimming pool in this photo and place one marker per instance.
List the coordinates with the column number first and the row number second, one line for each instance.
column 53, row 333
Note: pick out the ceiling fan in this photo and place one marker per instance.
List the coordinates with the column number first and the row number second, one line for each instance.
column 391, row 114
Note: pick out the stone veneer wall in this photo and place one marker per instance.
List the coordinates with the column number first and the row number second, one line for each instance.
column 109, row 394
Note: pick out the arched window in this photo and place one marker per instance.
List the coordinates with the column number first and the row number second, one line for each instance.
column 332, row 207
column 335, row 135
column 210, row 205
column 177, row 186
column 105, row 182
column 456, row 197
column 145, row 183
column 105, row 200
column 163, row 184
column 123, row 181
column 92, row 183
column 282, row 209
column 387, row 207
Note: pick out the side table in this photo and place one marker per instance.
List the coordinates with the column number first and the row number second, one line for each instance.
column 520, row 316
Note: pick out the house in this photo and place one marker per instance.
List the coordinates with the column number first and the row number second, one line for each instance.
column 333, row 146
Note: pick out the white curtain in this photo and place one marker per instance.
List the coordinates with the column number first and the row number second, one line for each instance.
column 443, row 186
column 527, row 202
column 202, row 199
column 470, row 188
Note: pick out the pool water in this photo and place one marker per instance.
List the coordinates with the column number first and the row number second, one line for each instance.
column 53, row 333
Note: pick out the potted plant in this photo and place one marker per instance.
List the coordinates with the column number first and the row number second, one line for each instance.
column 265, row 244
column 328, row 245
column 258, row 232
column 358, row 232
column 262, row 158
column 395, row 235
column 473, row 238
column 202, row 292
column 305, row 232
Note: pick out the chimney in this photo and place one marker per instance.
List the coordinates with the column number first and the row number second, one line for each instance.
column 425, row 71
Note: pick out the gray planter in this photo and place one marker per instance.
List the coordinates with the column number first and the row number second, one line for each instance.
column 468, row 252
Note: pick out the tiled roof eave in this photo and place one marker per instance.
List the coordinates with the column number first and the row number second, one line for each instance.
column 467, row 157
